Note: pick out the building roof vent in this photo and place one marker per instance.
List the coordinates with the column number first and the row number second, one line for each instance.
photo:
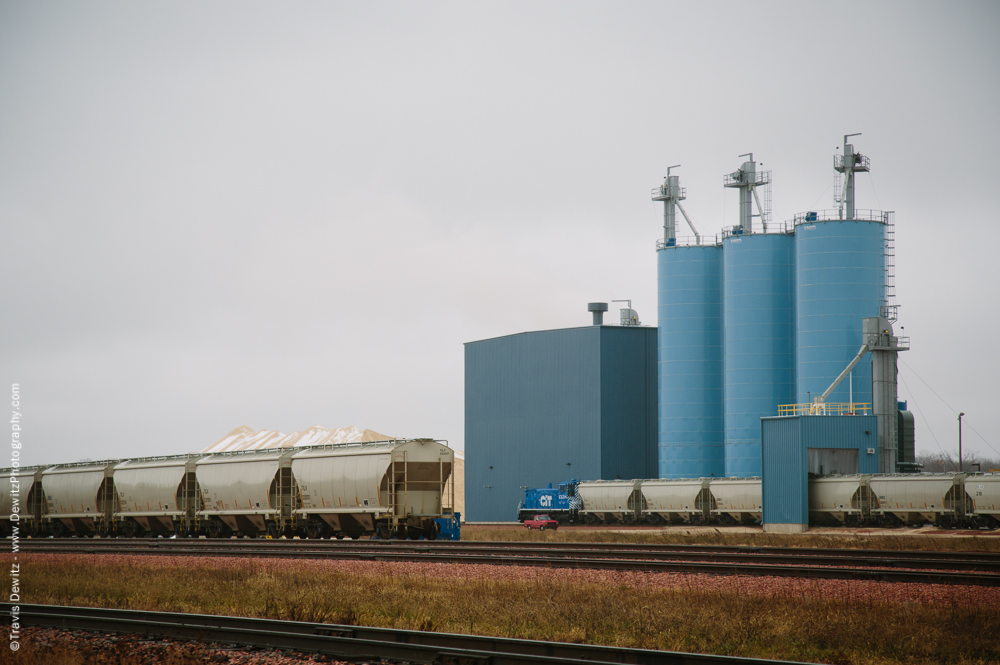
column 598, row 309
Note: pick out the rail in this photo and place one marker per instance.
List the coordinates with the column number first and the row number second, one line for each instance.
column 861, row 163
column 734, row 180
column 826, row 409
column 689, row 241
column 773, row 228
column 354, row 643
column 663, row 191
column 883, row 216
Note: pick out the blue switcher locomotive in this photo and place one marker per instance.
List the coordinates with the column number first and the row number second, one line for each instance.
column 559, row 503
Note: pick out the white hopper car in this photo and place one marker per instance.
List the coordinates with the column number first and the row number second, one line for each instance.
column 984, row 492
column 609, row 500
column 157, row 496
column 735, row 501
column 22, row 504
column 951, row 499
column 80, row 498
column 395, row 489
column 836, row 500
column 676, row 501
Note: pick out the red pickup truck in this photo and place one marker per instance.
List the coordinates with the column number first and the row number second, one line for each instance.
column 541, row 522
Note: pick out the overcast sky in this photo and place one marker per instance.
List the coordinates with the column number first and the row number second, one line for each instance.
column 291, row 214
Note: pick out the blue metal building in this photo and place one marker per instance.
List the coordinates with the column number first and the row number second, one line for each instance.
column 791, row 443
column 689, row 318
column 759, row 308
column 543, row 407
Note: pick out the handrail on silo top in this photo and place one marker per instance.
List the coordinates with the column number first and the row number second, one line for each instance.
column 811, row 216
column 826, row 409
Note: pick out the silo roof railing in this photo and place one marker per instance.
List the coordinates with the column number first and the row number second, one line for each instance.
column 689, row 241
column 884, row 216
column 773, row 228
column 826, row 409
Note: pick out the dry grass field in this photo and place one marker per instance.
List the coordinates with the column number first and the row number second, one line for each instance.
column 864, row 622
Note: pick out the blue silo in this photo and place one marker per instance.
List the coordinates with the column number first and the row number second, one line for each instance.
column 759, row 320
column 840, row 279
column 690, row 361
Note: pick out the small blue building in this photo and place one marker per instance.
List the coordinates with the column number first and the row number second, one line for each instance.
column 543, row 407
column 792, row 447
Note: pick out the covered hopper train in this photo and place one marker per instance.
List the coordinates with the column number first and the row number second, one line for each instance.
column 390, row 489
column 947, row 500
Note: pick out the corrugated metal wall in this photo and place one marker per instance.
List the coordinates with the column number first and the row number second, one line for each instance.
column 759, row 318
column 784, row 453
column 545, row 407
column 784, row 481
column 628, row 403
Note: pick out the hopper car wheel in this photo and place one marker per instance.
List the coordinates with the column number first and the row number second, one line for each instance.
column 58, row 529
column 434, row 531
column 382, row 531
column 314, row 530
column 401, row 532
column 946, row 522
column 725, row 519
column 272, row 528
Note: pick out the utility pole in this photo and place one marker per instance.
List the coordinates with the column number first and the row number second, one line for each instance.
column 960, row 442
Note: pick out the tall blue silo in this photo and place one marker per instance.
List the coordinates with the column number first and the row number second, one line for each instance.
column 759, row 327
column 690, row 361
column 840, row 279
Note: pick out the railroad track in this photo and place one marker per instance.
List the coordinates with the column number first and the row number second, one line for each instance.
column 354, row 643
column 966, row 568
